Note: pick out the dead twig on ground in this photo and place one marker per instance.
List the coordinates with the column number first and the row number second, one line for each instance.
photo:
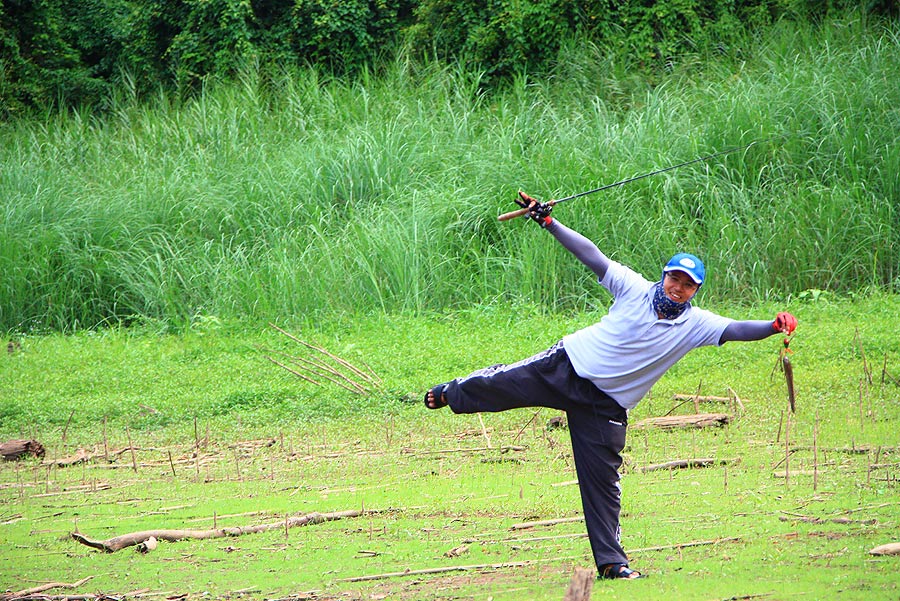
column 554, row 522
column 42, row 588
column 854, row 450
column 696, row 543
column 118, row 543
column 808, row 519
column 886, row 374
column 466, row 568
column 686, row 463
column 504, row 449
column 522, row 564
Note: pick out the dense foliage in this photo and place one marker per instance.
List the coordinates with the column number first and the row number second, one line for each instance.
column 297, row 194
column 75, row 52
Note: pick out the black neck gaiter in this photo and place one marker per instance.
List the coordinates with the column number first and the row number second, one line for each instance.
column 665, row 306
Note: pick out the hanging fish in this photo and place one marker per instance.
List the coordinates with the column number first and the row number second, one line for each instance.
column 788, row 370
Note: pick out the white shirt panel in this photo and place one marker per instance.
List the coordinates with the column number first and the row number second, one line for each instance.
column 630, row 348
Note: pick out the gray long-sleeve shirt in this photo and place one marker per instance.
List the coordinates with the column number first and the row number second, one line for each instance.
column 630, row 348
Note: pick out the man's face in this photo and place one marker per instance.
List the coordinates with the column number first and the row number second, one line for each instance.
column 679, row 286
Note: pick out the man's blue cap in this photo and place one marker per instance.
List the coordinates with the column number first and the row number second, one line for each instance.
column 689, row 264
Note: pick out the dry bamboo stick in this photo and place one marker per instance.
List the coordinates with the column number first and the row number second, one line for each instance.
column 126, row 540
column 797, row 517
column 481, row 566
column 526, row 563
column 554, row 522
column 737, row 399
column 318, row 367
column 698, row 543
column 322, row 367
column 44, row 587
column 503, row 449
column 702, row 398
column 347, row 364
column 686, row 463
column 854, row 450
column 293, row 371
column 866, row 370
column 885, row 372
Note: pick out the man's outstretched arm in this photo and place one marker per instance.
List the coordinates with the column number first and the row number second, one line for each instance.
column 580, row 246
column 749, row 330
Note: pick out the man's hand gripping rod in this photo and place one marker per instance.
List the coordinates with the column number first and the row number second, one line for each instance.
column 520, row 212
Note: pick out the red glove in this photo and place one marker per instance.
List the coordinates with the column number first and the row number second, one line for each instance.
column 784, row 322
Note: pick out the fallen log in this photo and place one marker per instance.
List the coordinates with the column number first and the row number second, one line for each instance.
column 16, row 449
column 118, row 543
column 686, row 463
column 888, row 549
column 671, row 422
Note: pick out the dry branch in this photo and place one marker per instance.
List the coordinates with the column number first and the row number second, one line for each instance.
column 118, row 543
column 699, row 420
column 703, row 398
column 481, row 566
column 886, row 373
column 522, row 564
column 42, row 588
column 526, row 525
column 696, row 543
column 808, row 519
column 504, row 449
column 686, row 463
column 342, row 373
column 854, row 450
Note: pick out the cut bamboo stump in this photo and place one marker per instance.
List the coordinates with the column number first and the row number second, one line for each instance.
column 16, row 449
column 697, row 420
column 580, row 585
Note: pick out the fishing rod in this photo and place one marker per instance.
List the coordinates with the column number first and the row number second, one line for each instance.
column 513, row 214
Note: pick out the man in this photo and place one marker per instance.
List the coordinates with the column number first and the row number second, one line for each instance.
column 600, row 372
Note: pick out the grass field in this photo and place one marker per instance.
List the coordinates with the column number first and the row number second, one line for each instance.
column 144, row 249
column 222, row 437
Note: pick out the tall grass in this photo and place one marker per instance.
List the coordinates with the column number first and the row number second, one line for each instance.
column 296, row 194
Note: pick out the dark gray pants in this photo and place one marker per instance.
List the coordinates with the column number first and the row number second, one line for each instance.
column 596, row 425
